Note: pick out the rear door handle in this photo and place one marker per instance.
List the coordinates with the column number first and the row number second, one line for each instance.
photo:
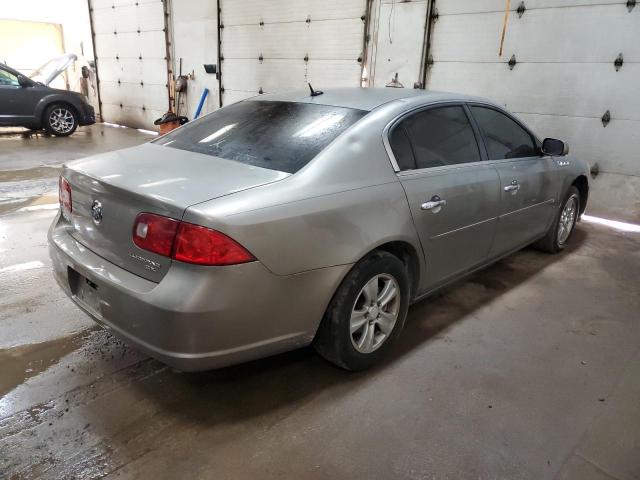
column 435, row 204
column 513, row 188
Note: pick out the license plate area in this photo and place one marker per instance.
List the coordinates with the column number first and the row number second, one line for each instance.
column 84, row 291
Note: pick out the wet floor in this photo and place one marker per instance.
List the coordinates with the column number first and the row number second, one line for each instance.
column 25, row 361
column 528, row 370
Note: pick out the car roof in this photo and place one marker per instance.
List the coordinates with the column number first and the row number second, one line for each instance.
column 363, row 98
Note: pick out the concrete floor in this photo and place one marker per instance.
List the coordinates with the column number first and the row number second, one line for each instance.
column 528, row 370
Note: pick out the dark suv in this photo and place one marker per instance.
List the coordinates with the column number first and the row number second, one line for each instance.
column 25, row 103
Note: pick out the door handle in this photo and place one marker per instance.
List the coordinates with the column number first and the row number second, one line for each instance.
column 435, row 204
column 513, row 188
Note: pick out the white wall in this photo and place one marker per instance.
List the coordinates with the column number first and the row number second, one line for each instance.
column 73, row 15
column 195, row 40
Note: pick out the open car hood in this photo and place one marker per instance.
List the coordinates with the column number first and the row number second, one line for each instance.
column 48, row 72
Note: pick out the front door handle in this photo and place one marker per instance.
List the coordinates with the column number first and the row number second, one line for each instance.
column 435, row 204
column 513, row 188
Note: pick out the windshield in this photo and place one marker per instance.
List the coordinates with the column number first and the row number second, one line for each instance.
column 281, row 136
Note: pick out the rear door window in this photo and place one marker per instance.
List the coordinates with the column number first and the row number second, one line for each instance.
column 503, row 137
column 439, row 136
column 281, row 136
column 402, row 150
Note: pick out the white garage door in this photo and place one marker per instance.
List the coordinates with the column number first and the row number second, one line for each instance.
column 130, row 49
column 564, row 79
column 277, row 45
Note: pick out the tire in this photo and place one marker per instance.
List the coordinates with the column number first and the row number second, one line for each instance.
column 557, row 238
column 60, row 120
column 382, row 322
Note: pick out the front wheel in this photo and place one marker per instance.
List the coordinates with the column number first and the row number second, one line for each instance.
column 60, row 120
column 564, row 223
column 366, row 314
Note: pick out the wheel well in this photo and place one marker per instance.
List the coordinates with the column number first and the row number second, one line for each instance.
column 61, row 103
column 582, row 184
column 408, row 255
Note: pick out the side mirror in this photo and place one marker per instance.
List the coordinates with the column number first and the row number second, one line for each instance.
column 23, row 81
column 554, row 147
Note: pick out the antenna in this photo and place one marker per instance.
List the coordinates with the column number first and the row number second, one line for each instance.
column 314, row 93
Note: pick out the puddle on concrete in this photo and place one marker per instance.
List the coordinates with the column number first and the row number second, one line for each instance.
column 29, row 174
column 22, row 188
column 25, row 361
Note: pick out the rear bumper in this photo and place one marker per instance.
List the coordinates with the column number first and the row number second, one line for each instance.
column 198, row 318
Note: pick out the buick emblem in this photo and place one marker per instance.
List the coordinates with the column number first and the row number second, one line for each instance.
column 96, row 212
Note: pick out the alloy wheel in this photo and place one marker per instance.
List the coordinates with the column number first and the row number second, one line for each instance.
column 374, row 313
column 61, row 120
column 567, row 219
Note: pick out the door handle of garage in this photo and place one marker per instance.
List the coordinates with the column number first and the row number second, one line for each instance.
column 513, row 188
column 435, row 204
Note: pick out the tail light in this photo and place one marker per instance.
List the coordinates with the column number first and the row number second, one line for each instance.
column 187, row 242
column 64, row 196
column 155, row 233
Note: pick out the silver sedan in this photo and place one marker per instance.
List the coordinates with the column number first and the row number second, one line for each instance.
column 293, row 219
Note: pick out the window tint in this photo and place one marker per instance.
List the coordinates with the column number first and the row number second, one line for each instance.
column 441, row 136
column 402, row 148
column 281, row 136
column 503, row 137
column 7, row 78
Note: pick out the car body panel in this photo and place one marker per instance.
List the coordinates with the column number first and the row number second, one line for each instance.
column 527, row 212
column 459, row 235
column 306, row 231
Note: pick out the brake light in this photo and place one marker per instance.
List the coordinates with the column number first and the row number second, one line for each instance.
column 203, row 246
column 64, row 196
column 187, row 242
column 155, row 233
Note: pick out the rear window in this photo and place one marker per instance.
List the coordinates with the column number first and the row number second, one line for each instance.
column 281, row 136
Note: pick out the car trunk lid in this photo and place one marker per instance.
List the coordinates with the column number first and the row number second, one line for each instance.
column 110, row 190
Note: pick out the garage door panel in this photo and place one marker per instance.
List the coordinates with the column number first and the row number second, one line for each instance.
column 255, row 11
column 134, row 95
column 130, row 48
column 332, row 42
column 132, row 70
column 456, row 7
column 103, row 4
column 131, row 45
column 557, row 31
column 269, row 75
column 323, row 74
column 589, row 140
column 554, row 88
column 233, row 96
column 340, row 39
column 130, row 116
column 130, row 18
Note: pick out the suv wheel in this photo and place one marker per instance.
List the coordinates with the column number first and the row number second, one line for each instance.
column 60, row 120
column 366, row 314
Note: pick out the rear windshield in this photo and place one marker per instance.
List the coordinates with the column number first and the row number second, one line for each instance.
column 281, row 136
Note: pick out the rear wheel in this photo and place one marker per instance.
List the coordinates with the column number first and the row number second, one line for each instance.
column 60, row 120
column 366, row 314
column 563, row 225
